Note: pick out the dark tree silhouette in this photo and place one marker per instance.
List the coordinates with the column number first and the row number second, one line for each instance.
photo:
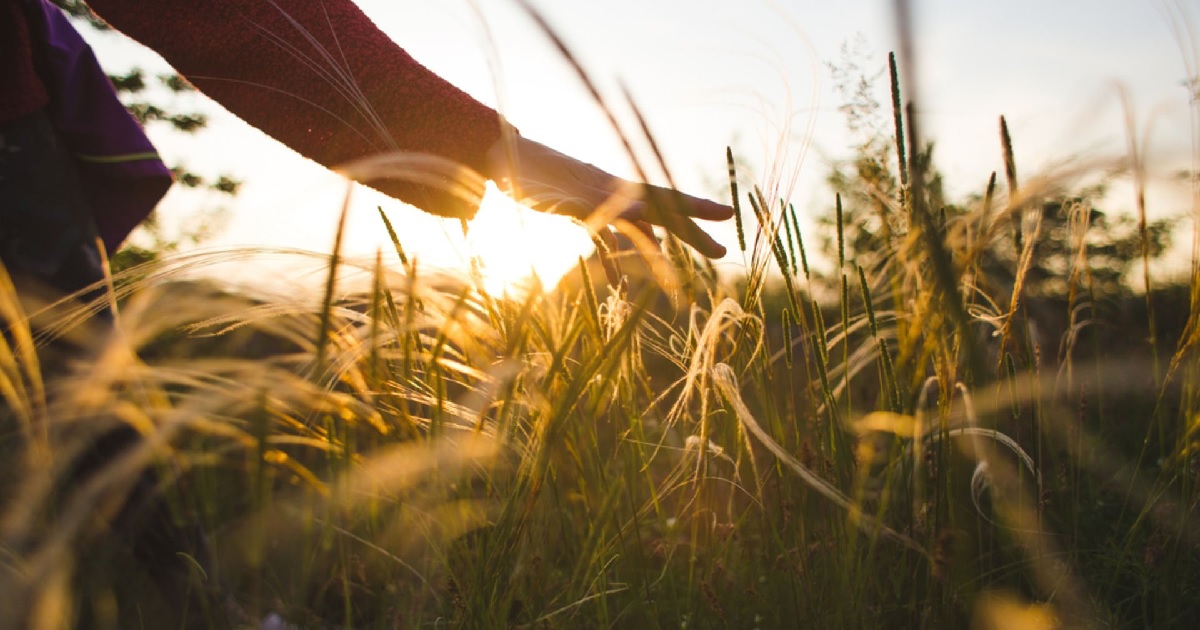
column 1079, row 243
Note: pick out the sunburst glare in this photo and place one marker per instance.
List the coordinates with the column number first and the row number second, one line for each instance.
column 513, row 242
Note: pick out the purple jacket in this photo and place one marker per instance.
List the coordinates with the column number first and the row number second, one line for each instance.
column 121, row 172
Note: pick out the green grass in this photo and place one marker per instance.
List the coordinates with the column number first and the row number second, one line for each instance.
column 413, row 452
column 420, row 453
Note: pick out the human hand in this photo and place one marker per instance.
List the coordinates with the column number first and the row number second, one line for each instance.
column 550, row 181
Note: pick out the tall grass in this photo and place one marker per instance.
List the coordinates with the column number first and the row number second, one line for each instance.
column 404, row 449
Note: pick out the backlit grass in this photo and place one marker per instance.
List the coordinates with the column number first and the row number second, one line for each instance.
column 401, row 448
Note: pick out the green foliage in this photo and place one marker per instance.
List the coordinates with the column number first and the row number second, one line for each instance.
column 1075, row 235
column 1111, row 245
column 80, row 10
column 418, row 451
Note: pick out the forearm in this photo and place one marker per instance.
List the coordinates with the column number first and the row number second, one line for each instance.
column 317, row 75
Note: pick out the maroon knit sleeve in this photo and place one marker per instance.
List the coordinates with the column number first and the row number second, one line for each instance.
column 21, row 91
column 318, row 76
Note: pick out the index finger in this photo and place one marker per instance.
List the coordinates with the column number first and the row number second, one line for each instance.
column 700, row 208
column 676, row 212
column 690, row 205
column 690, row 233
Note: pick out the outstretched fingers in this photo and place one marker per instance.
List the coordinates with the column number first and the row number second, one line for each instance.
column 677, row 213
column 553, row 182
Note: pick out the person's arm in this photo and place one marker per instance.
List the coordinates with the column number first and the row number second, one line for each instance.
column 320, row 77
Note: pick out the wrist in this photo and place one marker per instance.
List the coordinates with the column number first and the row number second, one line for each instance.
column 501, row 155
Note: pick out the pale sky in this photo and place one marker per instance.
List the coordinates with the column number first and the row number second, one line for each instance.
column 751, row 74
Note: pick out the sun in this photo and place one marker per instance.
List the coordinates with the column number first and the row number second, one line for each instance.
column 513, row 242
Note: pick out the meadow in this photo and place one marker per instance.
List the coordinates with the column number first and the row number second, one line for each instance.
column 941, row 431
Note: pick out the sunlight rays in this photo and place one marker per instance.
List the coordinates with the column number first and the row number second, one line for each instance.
column 513, row 242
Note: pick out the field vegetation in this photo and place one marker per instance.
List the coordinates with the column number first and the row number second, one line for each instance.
column 968, row 417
